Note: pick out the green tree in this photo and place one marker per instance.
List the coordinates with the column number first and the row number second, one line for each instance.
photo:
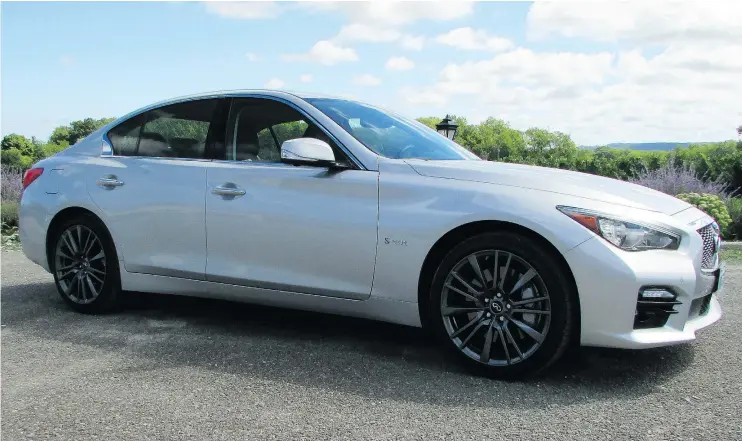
column 11, row 157
column 18, row 142
column 19, row 151
column 77, row 130
column 83, row 128
column 59, row 135
column 429, row 121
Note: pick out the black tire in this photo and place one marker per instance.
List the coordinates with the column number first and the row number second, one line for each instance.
column 558, row 288
column 107, row 299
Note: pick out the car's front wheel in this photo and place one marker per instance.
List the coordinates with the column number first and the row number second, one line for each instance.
column 501, row 303
column 83, row 261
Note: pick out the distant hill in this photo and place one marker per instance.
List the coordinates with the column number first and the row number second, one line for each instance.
column 643, row 145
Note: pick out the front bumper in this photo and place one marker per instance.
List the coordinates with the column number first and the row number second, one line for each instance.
column 609, row 279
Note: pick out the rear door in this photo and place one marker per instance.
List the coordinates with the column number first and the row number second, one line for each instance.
column 277, row 226
column 151, row 185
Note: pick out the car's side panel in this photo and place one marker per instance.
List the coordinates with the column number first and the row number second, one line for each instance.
column 157, row 214
column 302, row 229
column 39, row 206
column 415, row 211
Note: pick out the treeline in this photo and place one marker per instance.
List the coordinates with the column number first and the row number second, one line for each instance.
column 495, row 140
column 21, row 152
column 492, row 139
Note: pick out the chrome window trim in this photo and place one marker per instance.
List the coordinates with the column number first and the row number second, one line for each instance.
column 368, row 163
column 107, row 142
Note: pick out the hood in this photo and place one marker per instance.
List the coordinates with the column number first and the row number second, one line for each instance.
column 553, row 180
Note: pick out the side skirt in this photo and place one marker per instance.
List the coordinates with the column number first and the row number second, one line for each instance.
column 375, row 308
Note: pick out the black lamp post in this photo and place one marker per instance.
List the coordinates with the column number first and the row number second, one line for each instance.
column 447, row 127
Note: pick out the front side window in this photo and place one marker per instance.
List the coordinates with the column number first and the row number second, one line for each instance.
column 257, row 128
column 174, row 131
column 390, row 135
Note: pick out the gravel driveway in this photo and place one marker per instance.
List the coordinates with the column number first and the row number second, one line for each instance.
column 180, row 368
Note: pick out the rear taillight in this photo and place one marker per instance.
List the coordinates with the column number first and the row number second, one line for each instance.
column 31, row 175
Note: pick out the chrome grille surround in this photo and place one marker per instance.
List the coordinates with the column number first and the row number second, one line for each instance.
column 711, row 245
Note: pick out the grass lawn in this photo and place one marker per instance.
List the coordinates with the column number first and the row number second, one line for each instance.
column 732, row 255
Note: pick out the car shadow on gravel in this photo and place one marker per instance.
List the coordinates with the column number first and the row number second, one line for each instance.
column 371, row 359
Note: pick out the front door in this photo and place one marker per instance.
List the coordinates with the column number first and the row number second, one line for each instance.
column 277, row 226
column 151, row 189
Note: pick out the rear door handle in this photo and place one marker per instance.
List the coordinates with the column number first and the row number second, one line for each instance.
column 228, row 189
column 110, row 182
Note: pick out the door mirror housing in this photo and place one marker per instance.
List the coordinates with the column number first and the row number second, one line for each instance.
column 308, row 151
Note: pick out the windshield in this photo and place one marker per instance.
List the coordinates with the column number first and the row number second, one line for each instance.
column 390, row 135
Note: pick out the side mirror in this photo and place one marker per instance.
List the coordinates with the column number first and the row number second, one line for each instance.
column 308, row 151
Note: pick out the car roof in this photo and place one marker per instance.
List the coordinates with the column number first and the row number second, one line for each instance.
column 241, row 92
column 221, row 94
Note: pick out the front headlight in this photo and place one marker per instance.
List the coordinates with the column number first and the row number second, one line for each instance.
column 626, row 235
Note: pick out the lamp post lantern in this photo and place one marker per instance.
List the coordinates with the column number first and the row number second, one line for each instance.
column 447, row 127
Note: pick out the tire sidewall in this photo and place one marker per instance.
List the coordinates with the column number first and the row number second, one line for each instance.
column 107, row 300
column 560, row 293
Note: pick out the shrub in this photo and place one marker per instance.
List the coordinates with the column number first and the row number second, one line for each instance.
column 9, row 214
column 711, row 205
column 734, row 230
column 11, row 184
column 675, row 180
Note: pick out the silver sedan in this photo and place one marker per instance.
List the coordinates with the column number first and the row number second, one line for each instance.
column 333, row 205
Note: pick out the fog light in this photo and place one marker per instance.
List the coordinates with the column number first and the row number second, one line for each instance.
column 654, row 307
column 656, row 294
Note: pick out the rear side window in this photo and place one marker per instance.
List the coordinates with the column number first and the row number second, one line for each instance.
column 174, row 131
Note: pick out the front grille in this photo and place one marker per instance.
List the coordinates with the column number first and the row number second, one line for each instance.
column 710, row 236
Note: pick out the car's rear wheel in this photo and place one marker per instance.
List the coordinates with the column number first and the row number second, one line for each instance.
column 83, row 261
column 501, row 303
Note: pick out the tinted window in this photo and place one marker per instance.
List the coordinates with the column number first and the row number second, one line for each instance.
column 175, row 131
column 257, row 128
column 390, row 135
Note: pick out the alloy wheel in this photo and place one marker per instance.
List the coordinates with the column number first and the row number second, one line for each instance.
column 495, row 307
column 80, row 264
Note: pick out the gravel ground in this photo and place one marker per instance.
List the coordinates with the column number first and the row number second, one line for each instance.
column 180, row 368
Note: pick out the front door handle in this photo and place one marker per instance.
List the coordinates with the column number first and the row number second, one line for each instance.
column 228, row 189
column 110, row 181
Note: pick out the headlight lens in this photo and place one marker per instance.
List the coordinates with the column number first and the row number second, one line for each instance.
column 626, row 235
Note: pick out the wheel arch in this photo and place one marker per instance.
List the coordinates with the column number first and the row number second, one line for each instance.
column 465, row 231
column 69, row 213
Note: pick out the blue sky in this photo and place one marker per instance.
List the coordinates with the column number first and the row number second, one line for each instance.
column 566, row 67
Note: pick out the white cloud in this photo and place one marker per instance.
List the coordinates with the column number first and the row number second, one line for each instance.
column 325, row 52
column 366, row 80
column 378, row 33
column 685, row 93
column 399, row 63
column 396, row 13
column 366, row 32
column 412, row 42
column 244, row 9
column 469, row 39
column 306, row 78
column 427, row 97
column 274, row 83
column 252, row 56
column 541, row 68
column 654, row 21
